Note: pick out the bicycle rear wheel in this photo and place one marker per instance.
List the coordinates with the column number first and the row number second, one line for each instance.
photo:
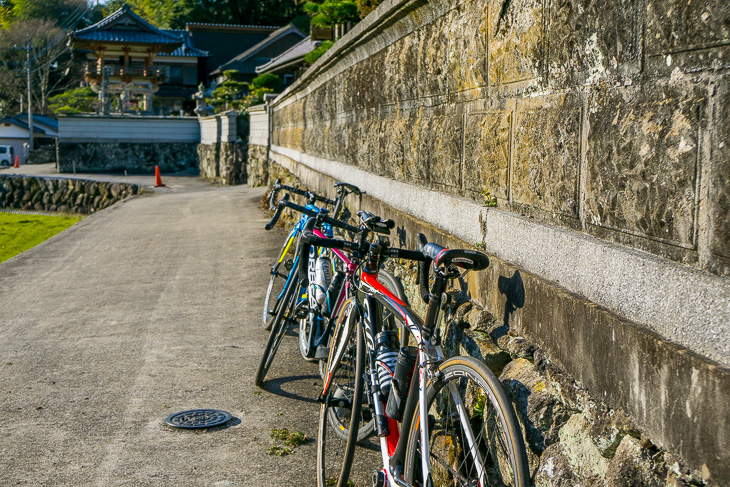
column 279, row 326
column 473, row 437
column 340, row 414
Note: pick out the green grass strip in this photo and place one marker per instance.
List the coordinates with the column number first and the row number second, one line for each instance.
column 18, row 233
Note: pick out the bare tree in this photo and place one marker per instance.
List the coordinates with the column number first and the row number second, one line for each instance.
column 52, row 66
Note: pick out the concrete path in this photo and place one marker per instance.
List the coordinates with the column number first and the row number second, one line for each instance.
column 144, row 309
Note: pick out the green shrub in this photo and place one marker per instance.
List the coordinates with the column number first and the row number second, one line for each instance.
column 78, row 100
column 266, row 80
column 317, row 52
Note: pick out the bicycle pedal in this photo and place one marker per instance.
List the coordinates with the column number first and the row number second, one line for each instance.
column 338, row 402
column 378, row 479
column 322, row 353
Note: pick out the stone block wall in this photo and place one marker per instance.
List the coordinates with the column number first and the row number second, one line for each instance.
column 221, row 153
column 598, row 130
column 257, row 165
column 607, row 119
column 223, row 162
column 134, row 158
column 61, row 195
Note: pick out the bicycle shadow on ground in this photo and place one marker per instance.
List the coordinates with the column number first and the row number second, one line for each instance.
column 278, row 386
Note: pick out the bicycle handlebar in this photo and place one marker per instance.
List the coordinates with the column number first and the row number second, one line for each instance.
column 310, row 195
column 279, row 208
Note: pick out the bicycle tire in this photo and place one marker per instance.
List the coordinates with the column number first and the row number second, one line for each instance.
column 489, row 410
column 278, row 328
column 276, row 285
column 335, row 452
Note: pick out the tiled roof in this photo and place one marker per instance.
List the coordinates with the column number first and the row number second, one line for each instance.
column 107, row 30
column 203, row 24
column 294, row 53
column 238, row 60
column 187, row 49
column 127, row 36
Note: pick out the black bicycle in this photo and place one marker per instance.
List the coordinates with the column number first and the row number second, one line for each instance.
column 440, row 422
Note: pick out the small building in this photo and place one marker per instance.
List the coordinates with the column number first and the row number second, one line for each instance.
column 225, row 41
column 14, row 133
column 290, row 64
column 246, row 62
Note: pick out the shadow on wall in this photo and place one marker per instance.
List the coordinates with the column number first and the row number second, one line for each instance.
column 514, row 290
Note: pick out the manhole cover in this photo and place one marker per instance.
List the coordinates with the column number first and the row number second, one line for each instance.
column 198, row 418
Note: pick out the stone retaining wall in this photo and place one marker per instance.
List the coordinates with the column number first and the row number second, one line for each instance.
column 132, row 157
column 257, row 165
column 61, row 195
column 223, row 162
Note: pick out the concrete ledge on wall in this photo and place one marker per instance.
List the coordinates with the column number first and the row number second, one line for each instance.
column 686, row 306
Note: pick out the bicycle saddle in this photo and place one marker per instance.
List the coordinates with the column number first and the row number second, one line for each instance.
column 375, row 223
column 350, row 188
column 466, row 259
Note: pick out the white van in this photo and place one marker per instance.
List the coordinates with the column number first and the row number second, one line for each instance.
column 6, row 155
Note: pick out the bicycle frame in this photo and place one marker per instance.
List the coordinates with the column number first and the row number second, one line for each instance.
column 427, row 353
column 350, row 269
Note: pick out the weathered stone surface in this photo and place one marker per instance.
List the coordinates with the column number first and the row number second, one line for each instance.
column 223, row 162
column 130, row 157
column 467, row 55
column 592, row 42
column 257, row 166
column 642, row 161
column 580, row 450
column 555, row 470
column 60, row 195
column 720, row 179
column 432, row 66
column 516, row 44
column 678, row 25
column 634, row 466
column 439, row 153
column 546, row 173
column 538, row 407
column 487, row 153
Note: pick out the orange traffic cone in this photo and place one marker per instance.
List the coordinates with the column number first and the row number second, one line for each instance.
column 158, row 178
column 17, row 162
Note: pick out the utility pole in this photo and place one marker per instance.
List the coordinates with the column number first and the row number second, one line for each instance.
column 30, row 108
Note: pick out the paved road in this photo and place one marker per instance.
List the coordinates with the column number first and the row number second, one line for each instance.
column 141, row 310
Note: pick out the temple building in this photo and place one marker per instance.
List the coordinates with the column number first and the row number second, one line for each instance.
column 129, row 60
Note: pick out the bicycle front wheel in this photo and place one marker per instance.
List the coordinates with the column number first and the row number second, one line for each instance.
column 340, row 414
column 473, row 434
column 277, row 280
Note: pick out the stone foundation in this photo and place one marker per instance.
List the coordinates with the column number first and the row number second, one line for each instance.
column 61, row 195
column 134, row 158
column 223, row 162
column 258, row 165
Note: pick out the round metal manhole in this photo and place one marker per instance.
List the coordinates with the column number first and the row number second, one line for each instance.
column 198, row 418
